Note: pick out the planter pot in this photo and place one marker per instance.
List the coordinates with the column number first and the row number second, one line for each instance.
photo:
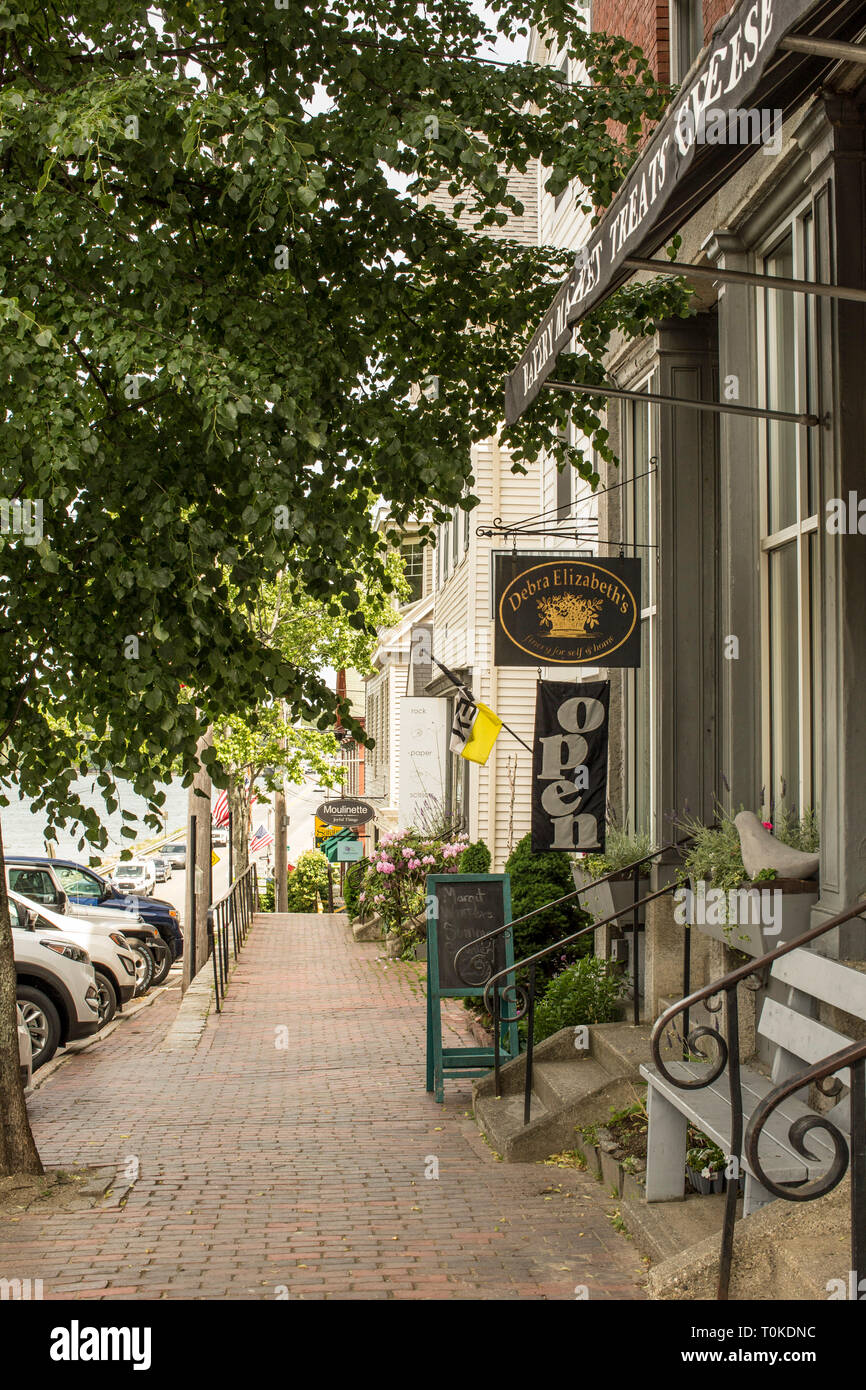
column 785, row 915
column 706, row 1186
column 610, row 897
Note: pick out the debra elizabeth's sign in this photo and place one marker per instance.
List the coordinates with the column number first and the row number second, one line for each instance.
column 677, row 172
column 565, row 611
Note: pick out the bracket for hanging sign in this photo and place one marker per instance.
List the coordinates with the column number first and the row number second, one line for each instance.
column 717, row 407
column 748, row 277
column 825, row 48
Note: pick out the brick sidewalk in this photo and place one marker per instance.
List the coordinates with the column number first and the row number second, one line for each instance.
column 285, row 1154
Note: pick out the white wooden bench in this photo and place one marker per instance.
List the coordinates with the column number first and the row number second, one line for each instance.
column 798, row 1041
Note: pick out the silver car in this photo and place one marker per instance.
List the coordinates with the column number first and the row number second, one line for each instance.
column 25, row 1049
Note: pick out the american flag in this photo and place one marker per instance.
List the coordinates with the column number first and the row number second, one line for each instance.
column 220, row 812
column 260, row 840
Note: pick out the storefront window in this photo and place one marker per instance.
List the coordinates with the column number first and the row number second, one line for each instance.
column 789, row 530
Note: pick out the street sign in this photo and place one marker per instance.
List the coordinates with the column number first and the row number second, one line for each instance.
column 349, row 850
column 346, row 810
column 214, row 858
column 324, row 830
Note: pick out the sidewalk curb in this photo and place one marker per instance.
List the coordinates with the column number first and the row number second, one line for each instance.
column 130, row 1011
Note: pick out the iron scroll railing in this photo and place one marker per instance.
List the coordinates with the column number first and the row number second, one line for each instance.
column 847, row 1150
column 503, row 986
column 228, row 924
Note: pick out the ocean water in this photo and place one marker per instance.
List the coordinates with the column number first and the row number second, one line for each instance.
column 24, row 829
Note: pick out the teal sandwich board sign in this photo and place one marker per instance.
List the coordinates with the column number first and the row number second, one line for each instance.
column 460, row 908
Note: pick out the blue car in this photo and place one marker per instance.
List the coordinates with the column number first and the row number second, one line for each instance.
column 86, row 888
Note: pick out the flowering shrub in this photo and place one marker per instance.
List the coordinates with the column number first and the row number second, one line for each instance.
column 394, row 883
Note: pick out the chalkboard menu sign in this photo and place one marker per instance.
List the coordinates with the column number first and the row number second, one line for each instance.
column 460, row 909
column 467, row 910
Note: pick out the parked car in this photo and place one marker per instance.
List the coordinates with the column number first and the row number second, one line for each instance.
column 56, row 991
column 25, row 1049
column 89, row 894
column 162, row 868
column 136, row 876
column 175, row 854
column 110, row 952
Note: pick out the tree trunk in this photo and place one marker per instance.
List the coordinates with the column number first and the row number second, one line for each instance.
column 197, row 904
column 18, row 1152
column 240, row 833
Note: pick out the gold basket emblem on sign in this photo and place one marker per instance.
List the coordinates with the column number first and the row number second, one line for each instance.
column 568, row 615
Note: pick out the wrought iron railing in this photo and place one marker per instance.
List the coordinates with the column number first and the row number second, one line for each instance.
column 228, row 924
column 522, row 997
column 754, row 974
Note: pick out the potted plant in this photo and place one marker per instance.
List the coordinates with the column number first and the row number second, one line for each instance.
column 705, row 1164
column 620, row 852
column 754, row 912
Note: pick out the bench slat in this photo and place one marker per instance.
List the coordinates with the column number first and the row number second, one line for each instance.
column 827, row 980
column 805, row 1037
column 710, row 1111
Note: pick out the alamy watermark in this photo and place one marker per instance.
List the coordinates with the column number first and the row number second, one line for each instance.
column 21, row 517
column 736, row 907
column 737, row 125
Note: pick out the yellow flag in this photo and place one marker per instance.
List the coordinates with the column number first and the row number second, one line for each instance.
column 484, row 733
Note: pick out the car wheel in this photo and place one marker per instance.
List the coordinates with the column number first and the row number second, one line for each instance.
column 43, row 1023
column 107, row 994
column 143, row 969
column 162, row 962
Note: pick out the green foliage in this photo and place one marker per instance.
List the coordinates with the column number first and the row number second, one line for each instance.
column 475, row 859
column 353, row 881
column 267, row 897
column 585, row 992
column 714, row 856
column 702, row 1154
column 396, row 874
column 538, row 879
column 799, row 831
column 620, row 852
column 308, row 881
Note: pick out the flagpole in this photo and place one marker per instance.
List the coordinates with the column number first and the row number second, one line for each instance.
column 465, row 688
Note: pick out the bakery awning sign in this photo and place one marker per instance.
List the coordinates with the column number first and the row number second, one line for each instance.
column 565, row 610
column 744, row 71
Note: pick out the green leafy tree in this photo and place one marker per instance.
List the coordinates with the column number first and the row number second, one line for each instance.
column 218, row 291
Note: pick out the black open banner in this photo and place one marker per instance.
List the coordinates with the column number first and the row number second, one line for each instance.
column 569, row 766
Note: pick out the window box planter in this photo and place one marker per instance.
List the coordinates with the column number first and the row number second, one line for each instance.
column 792, row 911
column 610, row 897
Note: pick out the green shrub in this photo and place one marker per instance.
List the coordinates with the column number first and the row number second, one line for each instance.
column 538, row 879
column 308, row 880
column 585, row 992
column 352, row 884
column 475, row 859
column 266, row 897
column 620, row 850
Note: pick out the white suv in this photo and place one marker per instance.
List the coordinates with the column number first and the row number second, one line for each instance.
column 138, row 876
column 56, row 991
column 112, row 955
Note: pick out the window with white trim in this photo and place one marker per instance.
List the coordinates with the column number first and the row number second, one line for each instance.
column 790, row 535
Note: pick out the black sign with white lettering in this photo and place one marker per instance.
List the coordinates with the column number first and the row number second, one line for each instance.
column 565, row 610
column 569, row 766
column 346, row 811
column 730, row 106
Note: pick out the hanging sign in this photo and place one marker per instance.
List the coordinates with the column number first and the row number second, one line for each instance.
column 565, row 611
column 731, row 103
column 345, row 811
column 569, row 766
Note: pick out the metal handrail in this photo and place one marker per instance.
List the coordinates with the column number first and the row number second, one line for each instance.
column 566, row 897
column 729, row 1057
column 523, row 997
column 232, row 912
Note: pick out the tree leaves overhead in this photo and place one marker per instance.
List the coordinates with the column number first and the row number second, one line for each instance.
column 218, row 290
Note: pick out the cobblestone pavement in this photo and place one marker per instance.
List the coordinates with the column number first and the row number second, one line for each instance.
column 284, row 1154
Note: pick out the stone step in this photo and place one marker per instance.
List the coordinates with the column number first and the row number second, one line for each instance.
column 621, row 1048
column 566, row 1095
